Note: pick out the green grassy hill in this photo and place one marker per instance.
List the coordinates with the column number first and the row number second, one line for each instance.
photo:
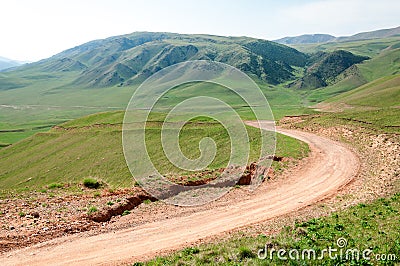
column 92, row 146
column 383, row 92
column 102, row 75
column 384, row 62
column 122, row 59
column 324, row 68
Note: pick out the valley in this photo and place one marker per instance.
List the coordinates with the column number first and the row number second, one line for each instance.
column 335, row 170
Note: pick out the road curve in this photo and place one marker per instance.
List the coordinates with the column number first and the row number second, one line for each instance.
column 332, row 166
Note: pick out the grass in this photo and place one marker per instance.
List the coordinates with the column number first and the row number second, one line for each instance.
column 63, row 156
column 384, row 120
column 46, row 103
column 92, row 209
column 55, row 185
column 126, row 212
column 384, row 63
column 48, row 93
column 387, row 63
column 147, row 201
column 373, row 225
column 91, row 183
column 383, row 92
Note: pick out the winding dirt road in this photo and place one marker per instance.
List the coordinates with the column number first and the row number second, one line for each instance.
column 332, row 167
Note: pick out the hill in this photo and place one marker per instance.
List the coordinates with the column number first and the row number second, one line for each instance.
column 325, row 68
column 6, row 63
column 325, row 38
column 101, row 75
column 383, row 92
column 63, row 154
column 122, row 59
column 385, row 62
column 306, row 38
column 377, row 34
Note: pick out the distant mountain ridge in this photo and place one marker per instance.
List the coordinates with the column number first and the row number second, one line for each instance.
column 6, row 63
column 122, row 59
column 323, row 38
column 306, row 38
column 128, row 59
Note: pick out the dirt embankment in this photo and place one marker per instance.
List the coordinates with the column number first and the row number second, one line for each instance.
column 379, row 155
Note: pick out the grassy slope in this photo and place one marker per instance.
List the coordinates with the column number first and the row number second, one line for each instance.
column 384, row 92
column 369, row 48
column 385, row 61
column 87, row 79
column 41, row 98
column 374, row 226
column 385, row 64
column 374, row 105
column 63, row 104
column 63, row 156
column 48, row 103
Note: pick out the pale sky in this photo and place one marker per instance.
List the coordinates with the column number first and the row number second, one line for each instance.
column 35, row 29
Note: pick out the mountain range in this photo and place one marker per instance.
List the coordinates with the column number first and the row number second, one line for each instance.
column 324, row 38
column 6, row 63
column 102, row 74
column 122, row 59
column 126, row 59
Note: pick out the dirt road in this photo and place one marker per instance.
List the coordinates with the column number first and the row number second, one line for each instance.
column 332, row 167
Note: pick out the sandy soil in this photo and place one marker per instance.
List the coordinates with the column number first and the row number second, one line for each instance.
column 331, row 166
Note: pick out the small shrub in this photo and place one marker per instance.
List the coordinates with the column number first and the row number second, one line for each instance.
column 21, row 214
column 245, row 252
column 55, row 185
column 92, row 209
column 191, row 250
column 147, row 201
column 96, row 194
column 110, row 203
column 126, row 212
column 91, row 183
